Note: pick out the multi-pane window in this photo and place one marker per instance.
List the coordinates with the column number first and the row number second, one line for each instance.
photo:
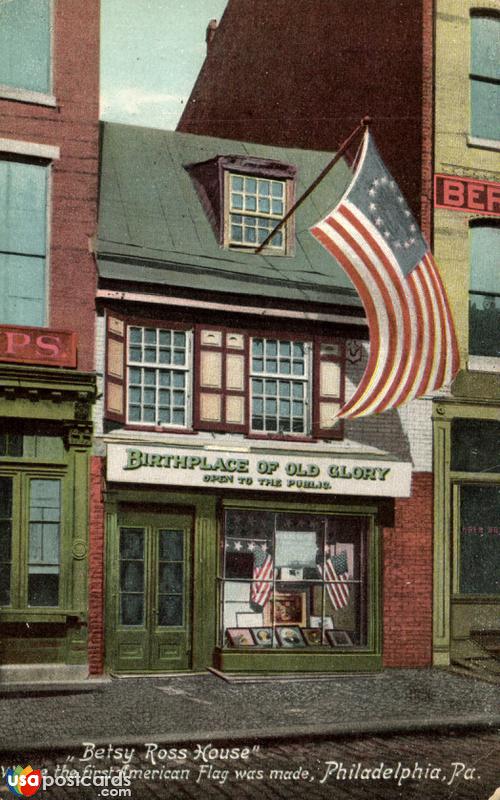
column 25, row 44
column 256, row 205
column 294, row 580
column 158, row 376
column 485, row 75
column 280, row 386
column 23, row 224
column 484, row 295
column 44, row 542
column 132, row 567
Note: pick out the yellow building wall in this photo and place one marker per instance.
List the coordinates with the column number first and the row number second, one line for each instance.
column 455, row 153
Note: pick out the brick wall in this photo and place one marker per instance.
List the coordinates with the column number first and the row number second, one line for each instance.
column 73, row 126
column 96, row 568
column 407, row 579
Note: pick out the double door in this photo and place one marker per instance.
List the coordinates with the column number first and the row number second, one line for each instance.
column 151, row 596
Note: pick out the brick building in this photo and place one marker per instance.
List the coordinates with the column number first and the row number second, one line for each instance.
column 49, row 85
column 303, row 75
column 467, row 245
column 309, row 75
column 246, row 529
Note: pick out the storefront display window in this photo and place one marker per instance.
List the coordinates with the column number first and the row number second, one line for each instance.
column 479, row 539
column 294, row 581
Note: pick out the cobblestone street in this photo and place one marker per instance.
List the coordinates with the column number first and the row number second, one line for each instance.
column 444, row 767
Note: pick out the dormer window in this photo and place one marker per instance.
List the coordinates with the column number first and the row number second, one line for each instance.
column 256, row 205
column 245, row 197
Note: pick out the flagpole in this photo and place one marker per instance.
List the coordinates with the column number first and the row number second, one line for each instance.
column 338, row 155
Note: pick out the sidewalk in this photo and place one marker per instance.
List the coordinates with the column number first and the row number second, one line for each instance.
column 204, row 707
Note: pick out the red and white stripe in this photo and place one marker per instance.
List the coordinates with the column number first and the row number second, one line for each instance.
column 413, row 348
column 338, row 592
column 262, row 583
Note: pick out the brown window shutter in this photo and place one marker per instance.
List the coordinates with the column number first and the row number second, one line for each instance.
column 115, row 370
column 221, row 357
column 328, row 387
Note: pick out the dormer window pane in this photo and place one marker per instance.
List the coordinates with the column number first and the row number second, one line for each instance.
column 263, row 202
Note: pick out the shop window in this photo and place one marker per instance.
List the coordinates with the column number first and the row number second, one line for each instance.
column 25, row 45
column 30, row 523
column 484, row 294
column 485, row 75
column 479, row 539
column 294, row 581
column 254, row 385
column 23, row 224
column 474, row 445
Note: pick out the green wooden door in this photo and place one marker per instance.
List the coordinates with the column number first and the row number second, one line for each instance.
column 151, row 597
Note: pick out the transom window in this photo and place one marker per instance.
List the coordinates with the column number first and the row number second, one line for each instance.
column 280, row 386
column 158, row 376
column 255, row 207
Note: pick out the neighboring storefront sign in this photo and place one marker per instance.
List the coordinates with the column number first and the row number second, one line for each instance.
column 43, row 346
column 174, row 466
column 467, row 194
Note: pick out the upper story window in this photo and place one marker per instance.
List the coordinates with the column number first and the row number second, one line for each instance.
column 245, row 197
column 158, row 376
column 23, row 241
column 280, row 386
column 485, row 75
column 256, row 205
column 484, row 294
column 25, row 45
column 220, row 379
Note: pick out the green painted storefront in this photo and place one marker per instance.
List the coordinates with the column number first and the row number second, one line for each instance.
column 45, row 439
column 467, row 519
column 161, row 528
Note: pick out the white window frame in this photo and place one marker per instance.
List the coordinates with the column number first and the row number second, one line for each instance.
column 273, row 218
column 305, row 379
column 187, row 369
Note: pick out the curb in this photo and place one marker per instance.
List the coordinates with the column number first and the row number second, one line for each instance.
column 389, row 727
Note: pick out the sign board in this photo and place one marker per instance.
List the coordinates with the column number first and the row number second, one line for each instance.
column 44, row 346
column 191, row 467
column 467, row 194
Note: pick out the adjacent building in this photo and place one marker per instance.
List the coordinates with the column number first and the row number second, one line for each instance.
column 467, row 246
column 48, row 188
column 246, row 529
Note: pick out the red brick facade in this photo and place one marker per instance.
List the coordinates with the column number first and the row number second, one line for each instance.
column 305, row 78
column 73, row 126
column 96, row 630
column 407, row 579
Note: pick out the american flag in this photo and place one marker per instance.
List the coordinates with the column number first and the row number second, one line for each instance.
column 376, row 240
column 262, row 577
column 336, row 569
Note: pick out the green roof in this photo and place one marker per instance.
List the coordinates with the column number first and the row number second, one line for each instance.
column 153, row 228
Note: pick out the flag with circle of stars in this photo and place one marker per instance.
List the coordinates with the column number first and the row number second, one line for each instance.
column 263, row 568
column 375, row 238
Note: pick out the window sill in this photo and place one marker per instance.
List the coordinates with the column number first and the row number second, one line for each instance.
column 483, row 144
column 483, row 364
column 27, row 96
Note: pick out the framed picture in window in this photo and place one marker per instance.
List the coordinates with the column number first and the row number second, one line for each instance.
column 312, row 636
column 339, row 638
column 321, row 622
column 289, row 608
column 263, row 637
column 290, row 636
column 240, row 637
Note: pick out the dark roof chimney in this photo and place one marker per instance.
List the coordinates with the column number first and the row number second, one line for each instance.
column 211, row 28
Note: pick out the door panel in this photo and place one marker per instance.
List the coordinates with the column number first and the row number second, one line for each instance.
column 152, row 599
